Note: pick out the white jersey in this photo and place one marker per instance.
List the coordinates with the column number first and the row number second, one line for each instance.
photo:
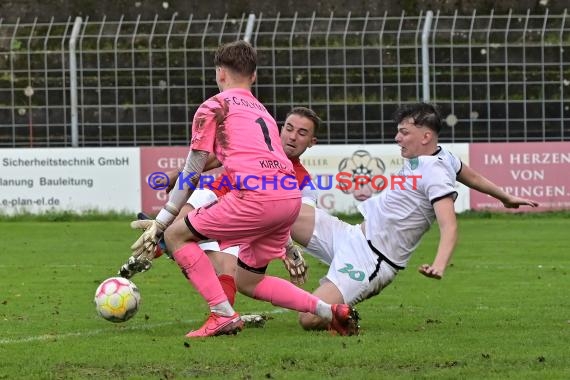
column 398, row 217
column 310, row 194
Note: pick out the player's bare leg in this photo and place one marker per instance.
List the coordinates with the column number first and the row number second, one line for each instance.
column 302, row 229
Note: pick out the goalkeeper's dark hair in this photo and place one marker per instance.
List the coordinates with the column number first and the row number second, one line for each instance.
column 309, row 114
column 238, row 56
column 422, row 114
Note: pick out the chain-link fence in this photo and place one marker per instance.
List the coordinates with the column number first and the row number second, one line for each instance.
column 137, row 82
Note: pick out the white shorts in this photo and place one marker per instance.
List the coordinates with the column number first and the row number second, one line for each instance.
column 200, row 198
column 355, row 270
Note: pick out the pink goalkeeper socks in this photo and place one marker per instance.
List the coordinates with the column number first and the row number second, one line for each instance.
column 283, row 293
column 200, row 273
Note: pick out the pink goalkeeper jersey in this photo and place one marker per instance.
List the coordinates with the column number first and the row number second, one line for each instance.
column 244, row 137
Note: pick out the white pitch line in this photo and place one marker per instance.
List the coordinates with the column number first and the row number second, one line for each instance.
column 39, row 338
column 45, row 337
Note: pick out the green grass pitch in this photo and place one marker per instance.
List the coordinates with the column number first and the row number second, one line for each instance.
column 502, row 311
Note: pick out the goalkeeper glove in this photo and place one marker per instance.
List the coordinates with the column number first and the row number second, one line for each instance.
column 145, row 247
column 134, row 266
column 295, row 264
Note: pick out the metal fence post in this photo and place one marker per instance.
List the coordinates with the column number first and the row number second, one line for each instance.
column 345, row 75
column 249, row 27
column 168, row 86
column 507, row 95
column 380, row 68
column 82, row 80
column 363, row 75
column 13, row 44
column 134, row 79
column 46, row 81
column 291, row 65
column 273, row 60
column 542, row 76
column 561, row 71
column 488, row 72
column 309, row 79
column 29, row 90
column 151, row 78
column 425, row 56
column 398, row 55
column 524, row 79
column 470, row 70
column 73, row 82
column 328, row 69
column 203, row 53
column 186, row 106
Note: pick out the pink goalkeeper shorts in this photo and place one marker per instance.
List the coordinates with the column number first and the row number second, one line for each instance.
column 259, row 227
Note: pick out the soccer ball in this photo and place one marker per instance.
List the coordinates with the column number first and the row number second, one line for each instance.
column 117, row 299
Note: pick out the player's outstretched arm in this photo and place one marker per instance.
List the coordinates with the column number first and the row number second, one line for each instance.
column 172, row 178
column 445, row 214
column 144, row 247
column 473, row 179
column 173, row 175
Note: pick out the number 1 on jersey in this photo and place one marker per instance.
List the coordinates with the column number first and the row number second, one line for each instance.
column 265, row 131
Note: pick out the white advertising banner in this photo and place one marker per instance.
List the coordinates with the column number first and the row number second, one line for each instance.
column 75, row 179
column 332, row 165
column 109, row 179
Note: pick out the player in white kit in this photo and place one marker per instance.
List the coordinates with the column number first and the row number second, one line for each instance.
column 365, row 258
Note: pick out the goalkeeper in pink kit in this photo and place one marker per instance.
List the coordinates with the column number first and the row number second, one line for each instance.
column 256, row 215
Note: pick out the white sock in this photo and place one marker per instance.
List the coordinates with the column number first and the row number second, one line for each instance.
column 324, row 310
column 224, row 309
